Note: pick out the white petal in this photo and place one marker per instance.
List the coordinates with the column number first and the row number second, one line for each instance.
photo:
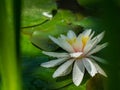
column 62, row 43
column 54, row 54
column 55, row 40
column 99, row 59
column 99, row 37
column 78, row 43
column 99, row 69
column 71, row 34
column 87, row 32
column 64, row 69
column 89, row 67
column 63, row 37
column 90, row 45
column 92, row 34
column 97, row 48
column 53, row 63
column 78, row 72
column 65, row 45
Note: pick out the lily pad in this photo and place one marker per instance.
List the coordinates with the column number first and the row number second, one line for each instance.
column 89, row 3
column 32, row 11
column 96, row 83
column 27, row 48
column 92, row 23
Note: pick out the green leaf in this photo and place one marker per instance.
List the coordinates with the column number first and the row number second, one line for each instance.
column 96, row 83
column 42, row 40
column 27, row 48
column 89, row 3
column 46, row 75
column 32, row 72
column 82, row 86
column 32, row 11
column 92, row 23
column 73, row 87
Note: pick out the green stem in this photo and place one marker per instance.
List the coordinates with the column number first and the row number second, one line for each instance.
column 10, row 73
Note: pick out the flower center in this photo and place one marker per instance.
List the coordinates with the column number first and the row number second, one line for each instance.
column 76, row 54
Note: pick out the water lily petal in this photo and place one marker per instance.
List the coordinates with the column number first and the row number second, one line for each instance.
column 55, row 40
column 64, row 69
column 97, row 48
column 71, row 34
column 99, row 37
column 89, row 46
column 62, row 43
column 92, row 34
column 89, row 67
column 78, row 43
column 55, row 54
column 53, row 63
column 78, row 72
column 63, row 37
column 87, row 32
column 99, row 69
column 65, row 45
column 92, row 43
column 98, row 59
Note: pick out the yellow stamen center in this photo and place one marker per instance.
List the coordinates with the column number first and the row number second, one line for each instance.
column 71, row 41
column 84, row 40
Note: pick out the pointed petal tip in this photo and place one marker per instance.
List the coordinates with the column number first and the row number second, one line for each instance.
column 43, row 52
column 90, row 67
column 76, row 84
column 52, row 38
column 93, row 74
column 105, row 75
column 87, row 32
column 89, row 29
column 71, row 34
column 54, row 76
column 49, row 36
column 43, row 65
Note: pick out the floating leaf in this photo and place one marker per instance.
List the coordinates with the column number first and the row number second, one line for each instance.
column 89, row 3
column 32, row 11
column 91, row 22
column 96, row 83
column 73, row 87
column 42, row 40
column 27, row 48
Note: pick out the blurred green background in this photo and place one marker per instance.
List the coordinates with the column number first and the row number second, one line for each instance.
column 24, row 30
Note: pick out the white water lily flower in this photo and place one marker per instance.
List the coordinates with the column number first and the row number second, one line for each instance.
column 78, row 57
